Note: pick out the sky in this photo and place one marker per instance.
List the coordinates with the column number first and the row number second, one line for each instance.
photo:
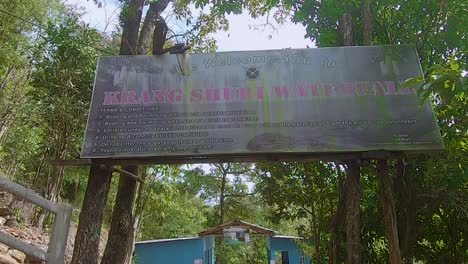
column 238, row 38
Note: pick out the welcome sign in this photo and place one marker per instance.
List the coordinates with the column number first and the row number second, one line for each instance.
column 344, row 99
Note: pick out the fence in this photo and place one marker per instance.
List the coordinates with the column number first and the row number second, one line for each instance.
column 58, row 239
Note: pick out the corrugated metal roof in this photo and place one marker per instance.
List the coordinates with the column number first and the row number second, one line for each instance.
column 218, row 230
column 287, row 237
column 166, row 240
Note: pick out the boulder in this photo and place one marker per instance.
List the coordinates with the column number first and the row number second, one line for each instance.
column 7, row 259
column 17, row 255
column 6, row 198
column 11, row 222
column 3, row 248
column 5, row 211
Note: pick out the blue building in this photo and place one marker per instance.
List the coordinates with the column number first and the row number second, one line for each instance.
column 200, row 250
column 193, row 250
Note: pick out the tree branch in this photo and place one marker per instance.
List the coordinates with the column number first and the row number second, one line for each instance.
column 240, row 194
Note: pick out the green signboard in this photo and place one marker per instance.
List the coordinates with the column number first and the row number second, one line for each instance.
column 344, row 99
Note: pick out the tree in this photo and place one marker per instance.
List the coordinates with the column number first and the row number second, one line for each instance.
column 171, row 212
column 86, row 246
column 16, row 38
column 440, row 39
column 63, row 81
column 17, row 34
column 303, row 192
column 220, row 172
column 224, row 185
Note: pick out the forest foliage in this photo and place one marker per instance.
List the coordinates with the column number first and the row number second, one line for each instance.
column 47, row 63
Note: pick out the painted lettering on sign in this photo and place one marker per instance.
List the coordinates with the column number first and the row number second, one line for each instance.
column 213, row 95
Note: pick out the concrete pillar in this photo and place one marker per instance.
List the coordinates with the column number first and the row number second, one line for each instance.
column 59, row 236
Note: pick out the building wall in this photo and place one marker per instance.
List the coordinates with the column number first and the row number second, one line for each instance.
column 187, row 250
column 285, row 244
column 170, row 252
column 209, row 250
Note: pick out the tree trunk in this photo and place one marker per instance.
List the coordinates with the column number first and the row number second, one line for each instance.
column 76, row 188
column 353, row 228
column 338, row 221
column 130, row 18
column 410, row 236
column 346, row 37
column 315, row 223
column 367, row 21
column 222, row 197
column 154, row 11
column 121, row 231
column 7, row 120
column 4, row 82
column 11, row 168
column 40, row 220
column 409, row 233
column 86, row 249
column 39, row 169
column 15, row 168
column 347, row 30
column 139, row 206
column 52, row 193
column 318, row 254
column 388, row 206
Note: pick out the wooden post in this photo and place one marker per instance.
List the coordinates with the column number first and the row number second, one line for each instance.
column 389, row 213
column 345, row 37
column 58, row 239
column 338, row 219
column 121, row 231
column 59, row 236
column 353, row 225
column 86, row 249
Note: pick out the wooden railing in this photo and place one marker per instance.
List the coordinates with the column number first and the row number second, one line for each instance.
column 58, row 239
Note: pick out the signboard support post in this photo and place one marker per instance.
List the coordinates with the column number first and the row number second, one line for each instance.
column 121, row 230
column 86, row 248
column 389, row 213
column 353, row 225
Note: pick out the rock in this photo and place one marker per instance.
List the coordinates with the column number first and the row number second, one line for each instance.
column 6, row 259
column 3, row 248
column 5, row 211
column 30, row 260
column 2, row 220
column 11, row 222
column 6, row 198
column 18, row 255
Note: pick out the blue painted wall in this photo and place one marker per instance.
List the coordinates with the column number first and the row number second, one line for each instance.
column 285, row 244
column 181, row 251
column 209, row 250
column 170, row 252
